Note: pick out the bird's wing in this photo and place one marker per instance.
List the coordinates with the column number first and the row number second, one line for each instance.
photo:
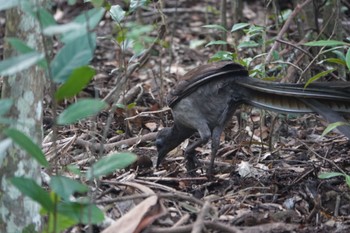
column 202, row 75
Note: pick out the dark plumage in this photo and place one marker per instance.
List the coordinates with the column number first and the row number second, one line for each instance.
column 207, row 97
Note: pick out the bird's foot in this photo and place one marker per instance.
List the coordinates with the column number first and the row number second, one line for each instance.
column 210, row 172
column 192, row 164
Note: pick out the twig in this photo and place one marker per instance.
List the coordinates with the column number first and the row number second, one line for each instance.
column 182, row 220
column 177, row 10
column 175, row 179
column 199, row 223
column 141, row 114
column 285, row 27
column 295, row 46
column 169, row 195
column 318, row 155
column 131, row 69
column 110, row 146
column 337, row 205
column 217, row 226
column 288, row 63
column 131, row 94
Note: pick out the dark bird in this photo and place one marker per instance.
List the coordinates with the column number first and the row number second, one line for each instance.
column 206, row 98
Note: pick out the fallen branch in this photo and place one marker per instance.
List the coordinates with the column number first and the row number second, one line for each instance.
column 111, row 146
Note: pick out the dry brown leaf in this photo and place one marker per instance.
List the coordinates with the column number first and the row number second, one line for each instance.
column 151, row 126
column 139, row 217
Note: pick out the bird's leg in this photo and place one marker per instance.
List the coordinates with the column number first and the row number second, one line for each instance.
column 215, row 137
column 204, row 133
column 192, row 163
column 215, row 143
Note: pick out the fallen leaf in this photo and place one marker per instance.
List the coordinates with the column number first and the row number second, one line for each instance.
column 139, row 217
column 151, row 126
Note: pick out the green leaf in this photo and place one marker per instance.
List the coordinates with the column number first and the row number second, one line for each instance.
column 134, row 4
column 194, row 44
column 336, row 61
column 317, row 76
column 131, row 105
column 62, row 222
column 339, row 54
column 88, row 21
column 19, row 45
column 222, row 55
column 16, row 64
column 327, row 175
column 215, row 26
column 78, row 27
column 188, row 207
column 325, row 43
column 347, row 180
column 76, row 82
column 6, row 121
column 83, row 213
column 28, row 7
column 247, row 44
column 74, row 54
column 5, row 106
column 332, row 126
column 74, row 169
column 31, row 189
column 22, row 47
column 6, row 4
column 27, row 144
column 66, row 187
column 96, row 3
column 137, row 30
column 119, row 105
column 216, row 42
column 255, row 30
column 347, row 59
column 117, row 13
column 239, row 26
column 275, row 55
column 79, row 110
column 63, row 28
column 109, row 164
column 92, row 17
column 46, row 19
column 119, row 131
column 284, row 16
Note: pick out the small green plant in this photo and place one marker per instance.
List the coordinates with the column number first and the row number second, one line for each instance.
column 131, row 36
column 70, row 70
column 328, row 175
column 334, row 47
column 253, row 38
column 59, row 204
column 340, row 59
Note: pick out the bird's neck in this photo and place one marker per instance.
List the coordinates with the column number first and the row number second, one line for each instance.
column 179, row 133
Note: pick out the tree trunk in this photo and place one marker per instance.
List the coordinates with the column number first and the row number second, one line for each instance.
column 17, row 211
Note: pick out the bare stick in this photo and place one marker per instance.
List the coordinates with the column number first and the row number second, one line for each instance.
column 284, row 28
column 111, row 146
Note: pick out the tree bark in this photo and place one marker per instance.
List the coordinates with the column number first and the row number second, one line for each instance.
column 17, row 211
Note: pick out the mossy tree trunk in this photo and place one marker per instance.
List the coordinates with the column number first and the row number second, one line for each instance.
column 18, row 212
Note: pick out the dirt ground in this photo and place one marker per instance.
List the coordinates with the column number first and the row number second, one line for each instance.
column 266, row 171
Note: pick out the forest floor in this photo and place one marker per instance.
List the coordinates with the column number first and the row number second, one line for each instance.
column 266, row 171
